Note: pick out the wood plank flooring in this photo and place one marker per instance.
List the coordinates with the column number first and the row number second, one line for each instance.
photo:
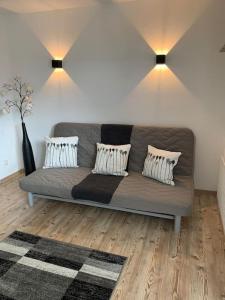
column 195, row 270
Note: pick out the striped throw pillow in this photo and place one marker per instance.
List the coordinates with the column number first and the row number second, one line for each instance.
column 111, row 160
column 159, row 164
column 61, row 152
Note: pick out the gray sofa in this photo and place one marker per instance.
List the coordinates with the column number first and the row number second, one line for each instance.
column 135, row 193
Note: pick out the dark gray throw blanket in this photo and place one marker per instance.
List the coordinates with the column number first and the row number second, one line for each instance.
column 100, row 188
column 97, row 187
column 116, row 134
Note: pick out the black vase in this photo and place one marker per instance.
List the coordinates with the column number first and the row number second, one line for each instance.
column 28, row 156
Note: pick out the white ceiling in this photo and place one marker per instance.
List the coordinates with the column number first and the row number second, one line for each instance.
column 32, row 6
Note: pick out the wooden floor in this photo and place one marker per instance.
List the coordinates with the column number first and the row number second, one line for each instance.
column 155, row 269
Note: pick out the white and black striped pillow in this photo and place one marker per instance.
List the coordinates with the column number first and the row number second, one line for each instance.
column 111, row 160
column 61, row 152
column 159, row 164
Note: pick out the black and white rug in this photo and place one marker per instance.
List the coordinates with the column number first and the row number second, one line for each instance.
column 37, row 268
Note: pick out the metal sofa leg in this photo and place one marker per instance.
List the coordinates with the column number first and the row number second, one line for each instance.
column 30, row 199
column 177, row 224
column 176, row 237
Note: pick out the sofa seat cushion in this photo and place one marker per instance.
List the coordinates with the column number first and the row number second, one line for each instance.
column 55, row 182
column 142, row 193
column 134, row 192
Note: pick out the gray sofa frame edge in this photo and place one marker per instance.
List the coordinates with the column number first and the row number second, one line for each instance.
column 177, row 219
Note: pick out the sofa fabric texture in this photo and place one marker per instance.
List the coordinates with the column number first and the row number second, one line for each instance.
column 135, row 191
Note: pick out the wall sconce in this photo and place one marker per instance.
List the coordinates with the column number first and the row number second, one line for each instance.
column 161, row 59
column 57, row 64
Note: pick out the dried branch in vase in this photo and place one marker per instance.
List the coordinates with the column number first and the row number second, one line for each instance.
column 17, row 95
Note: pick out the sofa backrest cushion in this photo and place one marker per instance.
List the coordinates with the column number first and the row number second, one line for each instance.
column 171, row 139
column 89, row 135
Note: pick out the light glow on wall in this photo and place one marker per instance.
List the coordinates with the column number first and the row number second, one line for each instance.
column 162, row 51
column 161, row 67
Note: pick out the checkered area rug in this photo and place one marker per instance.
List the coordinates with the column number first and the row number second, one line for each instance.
column 36, row 268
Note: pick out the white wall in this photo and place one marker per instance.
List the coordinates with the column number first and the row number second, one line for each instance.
column 109, row 59
column 10, row 152
column 221, row 191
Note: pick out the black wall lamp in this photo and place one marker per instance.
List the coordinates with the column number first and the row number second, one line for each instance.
column 57, row 64
column 161, row 59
